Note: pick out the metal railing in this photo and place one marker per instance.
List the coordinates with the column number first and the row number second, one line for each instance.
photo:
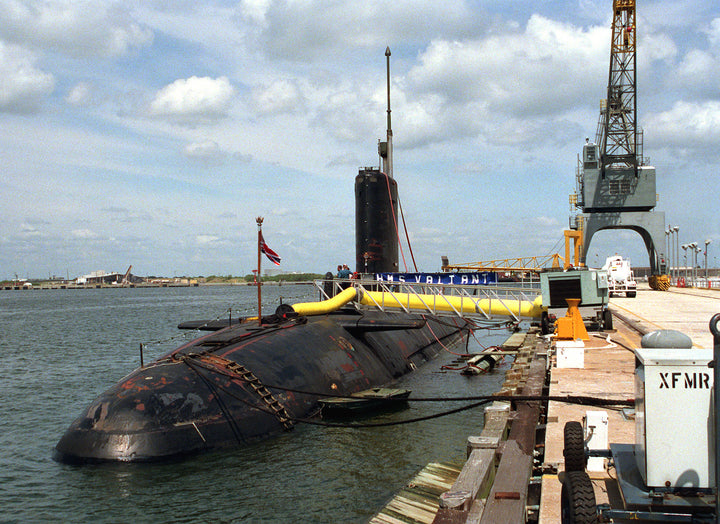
column 476, row 301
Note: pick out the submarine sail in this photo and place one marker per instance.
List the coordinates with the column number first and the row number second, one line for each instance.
column 376, row 199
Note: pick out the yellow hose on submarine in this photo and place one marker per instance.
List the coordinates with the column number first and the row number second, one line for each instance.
column 324, row 307
column 450, row 304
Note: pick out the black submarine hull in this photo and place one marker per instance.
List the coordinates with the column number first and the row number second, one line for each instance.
column 245, row 383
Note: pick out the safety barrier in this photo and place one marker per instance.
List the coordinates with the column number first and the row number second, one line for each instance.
column 516, row 302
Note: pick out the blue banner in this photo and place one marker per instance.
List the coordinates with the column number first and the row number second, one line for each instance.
column 460, row 279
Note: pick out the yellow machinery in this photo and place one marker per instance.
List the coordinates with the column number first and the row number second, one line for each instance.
column 530, row 264
column 571, row 326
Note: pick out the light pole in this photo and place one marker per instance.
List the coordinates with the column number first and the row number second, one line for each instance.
column 692, row 246
column 684, row 248
column 707, row 281
column 667, row 251
column 672, row 252
column 677, row 250
column 698, row 250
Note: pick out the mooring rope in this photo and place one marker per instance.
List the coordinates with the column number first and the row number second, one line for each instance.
column 476, row 400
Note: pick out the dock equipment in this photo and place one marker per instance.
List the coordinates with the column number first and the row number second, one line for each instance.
column 588, row 285
column 615, row 188
column 529, row 265
column 665, row 476
column 532, row 264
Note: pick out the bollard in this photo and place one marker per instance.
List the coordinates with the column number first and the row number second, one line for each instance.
column 714, row 323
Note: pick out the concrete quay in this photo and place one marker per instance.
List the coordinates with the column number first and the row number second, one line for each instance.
column 688, row 310
column 608, row 372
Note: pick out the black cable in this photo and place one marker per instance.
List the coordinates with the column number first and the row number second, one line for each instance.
column 478, row 401
column 569, row 399
column 393, row 423
column 315, row 422
column 234, row 427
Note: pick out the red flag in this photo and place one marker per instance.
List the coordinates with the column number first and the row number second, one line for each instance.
column 274, row 257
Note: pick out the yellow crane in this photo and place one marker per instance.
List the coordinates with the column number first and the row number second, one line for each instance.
column 533, row 264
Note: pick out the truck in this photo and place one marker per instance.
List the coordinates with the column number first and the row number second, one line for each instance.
column 620, row 276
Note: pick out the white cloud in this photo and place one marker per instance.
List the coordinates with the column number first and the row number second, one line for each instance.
column 28, row 230
column 714, row 33
column 697, row 63
column 294, row 30
column 79, row 95
column 204, row 240
column 344, row 113
column 85, row 234
column 196, row 99
column 697, row 72
column 206, row 151
column 546, row 69
column 23, row 87
column 80, row 28
column 653, row 46
column 547, row 221
column 687, row 125
column 255, row 9
column 277, row 97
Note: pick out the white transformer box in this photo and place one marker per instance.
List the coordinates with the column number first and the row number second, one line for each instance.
column 596, row 433
column 674, row 422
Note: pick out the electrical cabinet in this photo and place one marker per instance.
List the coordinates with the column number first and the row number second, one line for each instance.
column 674, row 444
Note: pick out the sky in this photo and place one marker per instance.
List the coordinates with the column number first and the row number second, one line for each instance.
column 153, row 133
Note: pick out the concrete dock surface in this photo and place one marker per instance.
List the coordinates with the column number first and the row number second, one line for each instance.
column 688, row 310
column 608, row 372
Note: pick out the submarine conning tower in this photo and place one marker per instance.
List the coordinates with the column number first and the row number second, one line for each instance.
column 376, row 207
column 376, row 237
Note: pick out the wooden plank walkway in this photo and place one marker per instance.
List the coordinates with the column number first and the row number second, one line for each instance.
column 418, row 501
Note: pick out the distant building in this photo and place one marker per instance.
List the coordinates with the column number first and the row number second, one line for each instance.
column 102, row 277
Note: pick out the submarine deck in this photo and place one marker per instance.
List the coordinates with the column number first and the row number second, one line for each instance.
column 486, row 490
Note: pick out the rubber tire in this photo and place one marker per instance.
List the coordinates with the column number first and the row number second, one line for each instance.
column 631, row 294
column 574, row 447
column 545, row 327
column 607, row 319
column 578, row 499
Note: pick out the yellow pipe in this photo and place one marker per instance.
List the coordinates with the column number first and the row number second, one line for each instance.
column 522, row 308
column 326, row 306
column 469, row 305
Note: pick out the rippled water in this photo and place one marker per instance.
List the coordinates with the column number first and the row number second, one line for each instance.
column 62, row 348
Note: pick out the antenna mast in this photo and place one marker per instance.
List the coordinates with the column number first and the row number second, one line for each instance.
column 389, row 156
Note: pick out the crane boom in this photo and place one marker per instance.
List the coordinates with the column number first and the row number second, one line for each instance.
column 617, row 136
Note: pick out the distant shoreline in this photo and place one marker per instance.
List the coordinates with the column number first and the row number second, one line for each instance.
column 147, row 285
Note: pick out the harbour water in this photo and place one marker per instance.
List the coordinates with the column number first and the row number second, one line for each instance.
column 61, row 348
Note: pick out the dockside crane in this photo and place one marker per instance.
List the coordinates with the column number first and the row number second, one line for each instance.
column 618, row 135
column 615, row 187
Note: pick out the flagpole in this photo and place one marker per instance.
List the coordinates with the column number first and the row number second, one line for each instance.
column 259, row 283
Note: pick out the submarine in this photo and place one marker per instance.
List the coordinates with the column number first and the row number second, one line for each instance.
column 254, row 378
column 248, row 381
